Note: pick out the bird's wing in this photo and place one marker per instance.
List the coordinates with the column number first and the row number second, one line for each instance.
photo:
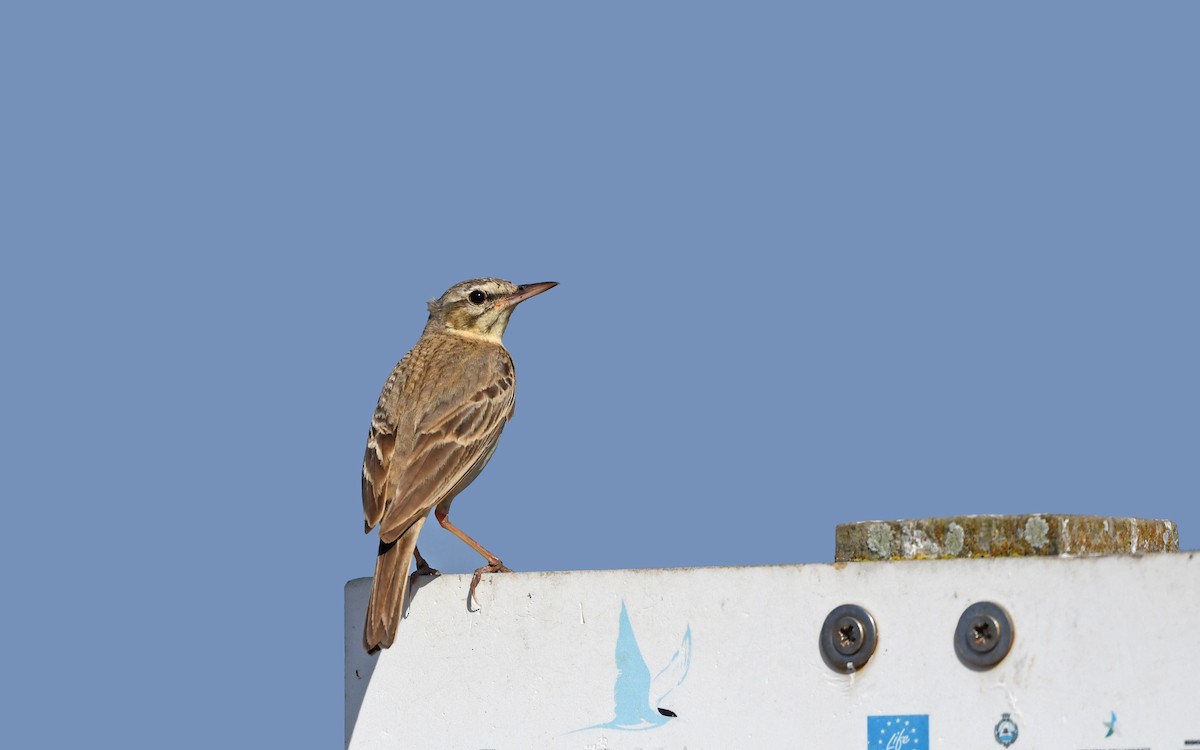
column 453, row 440
column 381, row 445
column 673, row 674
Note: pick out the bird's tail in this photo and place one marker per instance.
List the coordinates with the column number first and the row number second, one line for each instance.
column 389, row 588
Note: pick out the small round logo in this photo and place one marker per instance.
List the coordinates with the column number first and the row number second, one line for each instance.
column 1006, row 730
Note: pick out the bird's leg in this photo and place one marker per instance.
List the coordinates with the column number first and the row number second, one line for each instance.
column 423, row 568
column 494, row 565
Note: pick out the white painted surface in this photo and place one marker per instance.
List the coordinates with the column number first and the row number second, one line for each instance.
column 536, row 662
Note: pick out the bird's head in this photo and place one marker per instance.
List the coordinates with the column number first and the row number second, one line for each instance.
column 481, row 307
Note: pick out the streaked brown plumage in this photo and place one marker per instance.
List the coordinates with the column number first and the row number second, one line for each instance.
column 436, row 425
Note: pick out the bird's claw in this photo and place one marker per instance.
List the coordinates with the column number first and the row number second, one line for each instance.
column 496, row 567
column 425, row 570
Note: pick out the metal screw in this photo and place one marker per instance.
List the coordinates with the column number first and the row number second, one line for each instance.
column 984, row 635
column 848, row 638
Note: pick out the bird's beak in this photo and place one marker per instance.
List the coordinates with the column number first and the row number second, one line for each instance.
column 524, row 292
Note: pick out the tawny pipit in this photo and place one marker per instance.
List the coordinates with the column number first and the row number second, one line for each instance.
column 435, row 427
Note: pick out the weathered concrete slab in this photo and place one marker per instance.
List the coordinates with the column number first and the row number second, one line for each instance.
column 1033, row 535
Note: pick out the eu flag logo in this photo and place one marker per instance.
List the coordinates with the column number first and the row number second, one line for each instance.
column 898, row 732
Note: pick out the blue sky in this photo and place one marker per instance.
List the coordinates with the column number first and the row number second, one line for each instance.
column 817, row 264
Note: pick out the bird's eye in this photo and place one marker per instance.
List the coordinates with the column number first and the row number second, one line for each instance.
column 477, row 297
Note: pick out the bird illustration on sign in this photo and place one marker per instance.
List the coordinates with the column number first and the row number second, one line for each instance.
column 638, row 698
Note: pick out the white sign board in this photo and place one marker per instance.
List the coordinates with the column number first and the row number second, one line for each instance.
column 1105, row 655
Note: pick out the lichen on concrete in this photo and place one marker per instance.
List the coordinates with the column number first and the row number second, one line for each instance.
column 1035, row 534
column 879, row 540
column 954, row 539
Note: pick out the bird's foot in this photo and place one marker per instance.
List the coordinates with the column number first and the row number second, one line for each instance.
column 496, row 567
column 423, row 569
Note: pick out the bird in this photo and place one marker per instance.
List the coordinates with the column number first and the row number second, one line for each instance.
column 436, row 425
